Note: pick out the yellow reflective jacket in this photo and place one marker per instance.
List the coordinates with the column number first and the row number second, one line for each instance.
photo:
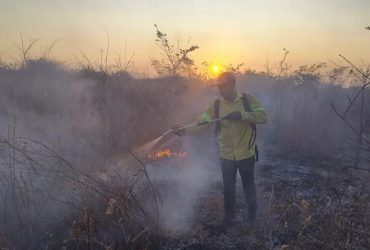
column 234, row 136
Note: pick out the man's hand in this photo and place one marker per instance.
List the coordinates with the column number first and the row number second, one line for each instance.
column 234, row 116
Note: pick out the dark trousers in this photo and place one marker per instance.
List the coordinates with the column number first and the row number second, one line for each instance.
column 246, row 171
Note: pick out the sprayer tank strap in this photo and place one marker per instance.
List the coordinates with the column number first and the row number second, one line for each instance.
column 246, row 109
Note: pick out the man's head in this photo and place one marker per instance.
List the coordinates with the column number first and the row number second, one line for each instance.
column 226, row 85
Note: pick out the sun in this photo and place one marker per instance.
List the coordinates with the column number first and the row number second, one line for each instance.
column 216, row 69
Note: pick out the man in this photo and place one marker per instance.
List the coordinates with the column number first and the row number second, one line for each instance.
column 236, row 139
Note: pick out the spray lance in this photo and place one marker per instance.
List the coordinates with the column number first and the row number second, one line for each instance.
column 193, row 125
column 166, row 137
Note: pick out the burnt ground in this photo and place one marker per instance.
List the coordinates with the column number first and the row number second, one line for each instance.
column 311, row 205
column 302, row 205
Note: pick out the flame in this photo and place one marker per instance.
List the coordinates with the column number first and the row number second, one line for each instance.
column 166, row 153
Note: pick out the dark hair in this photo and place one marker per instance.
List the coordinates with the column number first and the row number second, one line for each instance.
column 226, row 78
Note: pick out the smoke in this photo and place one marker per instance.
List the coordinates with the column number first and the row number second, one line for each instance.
column 68, row 130
column 302, row 126
column 50, row 134
column 86, row 123
column 48, row 103
column 182, row 180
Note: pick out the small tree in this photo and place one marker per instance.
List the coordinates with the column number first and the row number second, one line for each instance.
column 359, row 124
column 176, row 61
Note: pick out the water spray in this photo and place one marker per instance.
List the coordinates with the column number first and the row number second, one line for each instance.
column 166, row 137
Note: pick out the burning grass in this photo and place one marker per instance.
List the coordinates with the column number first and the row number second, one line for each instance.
column 166, row 153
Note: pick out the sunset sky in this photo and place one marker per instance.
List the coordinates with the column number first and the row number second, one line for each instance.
column 227, row 31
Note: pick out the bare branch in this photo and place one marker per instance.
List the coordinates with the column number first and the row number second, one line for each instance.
column 48, row 50
column 365, row 80
column 282, row 66
column 357, row 69
column 25, row 50
column 107, row 52
column 343, row 118
column 91, row 66
column 128, row 63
